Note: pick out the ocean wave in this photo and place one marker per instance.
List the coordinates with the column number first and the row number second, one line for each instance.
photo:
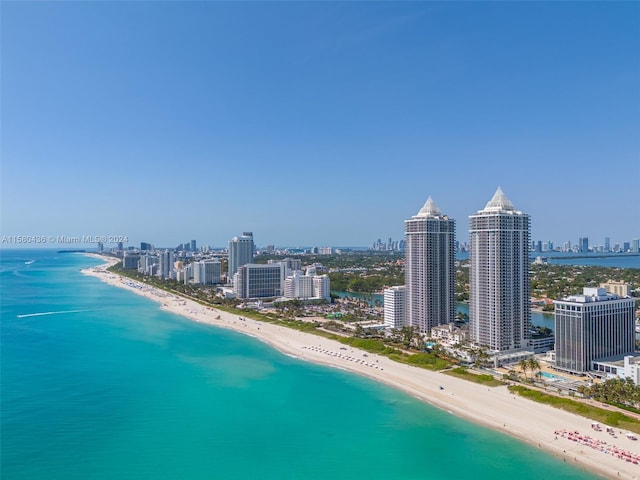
column 40, row 314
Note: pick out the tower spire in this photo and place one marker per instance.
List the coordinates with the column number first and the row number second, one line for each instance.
column 430, row 209
column 499, row 202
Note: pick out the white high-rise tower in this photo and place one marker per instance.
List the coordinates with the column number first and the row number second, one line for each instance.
column 499, row 298
column 240, row 252
column 430, row 268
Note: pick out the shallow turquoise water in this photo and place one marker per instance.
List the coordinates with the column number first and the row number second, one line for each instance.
column 123, row 390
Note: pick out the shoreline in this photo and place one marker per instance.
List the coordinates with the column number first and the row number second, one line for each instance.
column 493, row 407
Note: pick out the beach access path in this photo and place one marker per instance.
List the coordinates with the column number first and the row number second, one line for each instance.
column 494, row 407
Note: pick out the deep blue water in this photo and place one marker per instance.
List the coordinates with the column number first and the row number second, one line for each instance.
column 619, row 261
column 118, row 389
column 625, row 260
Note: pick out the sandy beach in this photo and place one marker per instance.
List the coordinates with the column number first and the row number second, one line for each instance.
column 539, row 425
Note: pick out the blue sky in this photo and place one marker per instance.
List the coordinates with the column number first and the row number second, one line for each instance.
column 317, row 123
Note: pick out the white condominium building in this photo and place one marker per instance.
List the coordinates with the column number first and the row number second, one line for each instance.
column 207, row 272
column 298, row 285
column 499, row 297
column 430, row 268
column 165, row 267
column 395, row 299
column 322, row 287
column 307, row 286
column 148, row 264
column 240, row 252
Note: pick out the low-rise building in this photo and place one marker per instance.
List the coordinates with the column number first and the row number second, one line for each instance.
column 450, row 334
column 542, row 344
column 618, row 367
column 621, row 289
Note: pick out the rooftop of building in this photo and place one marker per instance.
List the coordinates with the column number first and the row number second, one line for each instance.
column 618, row 360
column 590, row 295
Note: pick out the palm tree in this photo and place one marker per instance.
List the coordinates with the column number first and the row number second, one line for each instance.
column 524, row 366
column 481, row 357
column 417, row 339
column 533, row 364
column 407, row 335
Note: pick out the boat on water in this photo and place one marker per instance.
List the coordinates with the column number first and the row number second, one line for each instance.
column 29, row 262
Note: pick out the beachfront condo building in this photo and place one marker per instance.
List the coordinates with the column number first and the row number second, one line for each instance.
column 322, row 287
column 499, row 314
column 241, row 251
column 430, row 268
column 395, row 306
column 207, row 272
column 130, row 260
column 306, row 286
column 165, row 267
column 591, row 326
column 253, row 281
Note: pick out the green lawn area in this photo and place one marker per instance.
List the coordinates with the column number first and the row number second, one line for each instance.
column 483, row 379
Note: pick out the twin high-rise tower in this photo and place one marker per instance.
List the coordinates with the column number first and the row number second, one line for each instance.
column 430, row 268
column 499, row 273
column 499, row 313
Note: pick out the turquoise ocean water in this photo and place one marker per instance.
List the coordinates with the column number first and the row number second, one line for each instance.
column 117, row 389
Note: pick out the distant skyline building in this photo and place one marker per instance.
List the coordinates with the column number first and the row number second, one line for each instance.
column 499, row 275
column 430, row 268
column 193, row 246
column 583, row 244
column 389, row 246
column 591, row 326
column 241, row 251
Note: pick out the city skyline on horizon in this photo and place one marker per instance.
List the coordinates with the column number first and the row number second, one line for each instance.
column 9, row 241
column 316, row 124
